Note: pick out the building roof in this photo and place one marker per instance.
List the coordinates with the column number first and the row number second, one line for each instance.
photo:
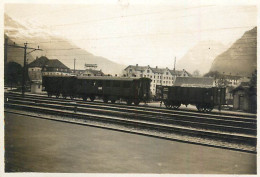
column 137, row 68
column 157, row 70
column 55, row 63
column 194, row 81
column 109, row 78
column 39, row 62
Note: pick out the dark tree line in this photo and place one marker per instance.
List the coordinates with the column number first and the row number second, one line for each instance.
column 13, row 74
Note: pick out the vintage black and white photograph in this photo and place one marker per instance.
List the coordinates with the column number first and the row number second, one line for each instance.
column 130, row 87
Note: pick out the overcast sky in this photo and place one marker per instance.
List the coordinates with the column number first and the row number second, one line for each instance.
column 130, row 33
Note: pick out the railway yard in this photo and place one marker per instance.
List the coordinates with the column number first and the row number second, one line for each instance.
column 216, row 132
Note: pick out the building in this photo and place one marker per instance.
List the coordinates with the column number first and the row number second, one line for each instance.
column 55, row 67
column 44, row 66
column 35, row 68
column 194, row 81
column 159, row 76
column 245, row 98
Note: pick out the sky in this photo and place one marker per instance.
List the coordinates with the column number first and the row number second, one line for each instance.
column 129, row 33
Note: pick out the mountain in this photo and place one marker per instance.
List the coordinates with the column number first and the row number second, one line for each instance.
column 240, row 58
column 201, row 56
column 54, row 47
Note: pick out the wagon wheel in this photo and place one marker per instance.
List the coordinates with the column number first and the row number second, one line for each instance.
column 200, row 109
column 129, row 102
column 92, row 98
column 176, row 106
column 84, row 98
column 64, row 96
column 57, row 95
column 209, row 108
column 49, row 94
column 113, row 101
column 105, row 99
column 167, row 105
column 136, row 102
column 204, row 109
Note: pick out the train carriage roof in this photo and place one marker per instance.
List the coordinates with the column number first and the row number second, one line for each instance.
column 109, row 78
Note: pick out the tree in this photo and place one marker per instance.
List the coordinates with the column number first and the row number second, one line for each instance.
column 196, row 73
column 253, row 80
column 220, row 79
column 13, row 73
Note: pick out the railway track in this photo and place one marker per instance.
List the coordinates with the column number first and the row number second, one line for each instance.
column 142, row 107
column 225, row 129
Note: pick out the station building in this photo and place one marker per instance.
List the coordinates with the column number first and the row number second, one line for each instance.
column 43, row 66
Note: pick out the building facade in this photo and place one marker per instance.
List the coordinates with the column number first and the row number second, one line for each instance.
column 245, row 98
column 44, row 66
column 159, row 76
column 55, row 67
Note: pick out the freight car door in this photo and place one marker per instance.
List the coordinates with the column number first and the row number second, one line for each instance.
column 136, row 87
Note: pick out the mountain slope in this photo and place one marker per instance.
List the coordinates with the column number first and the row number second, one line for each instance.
column 201, row 56
column 53, row 47
column 240, row 58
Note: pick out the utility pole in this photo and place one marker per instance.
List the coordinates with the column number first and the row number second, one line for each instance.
column 24, row 60
column 174, row 63
column 24, row 69
column 5, row 52
column 74, row 65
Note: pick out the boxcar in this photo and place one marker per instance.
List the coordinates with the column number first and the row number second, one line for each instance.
column 203, row 98
column 59, row 85
column 114, row 88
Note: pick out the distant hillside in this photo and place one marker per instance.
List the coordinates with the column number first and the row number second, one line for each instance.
column 240, row 58
column 20, row 34
column 201, row 56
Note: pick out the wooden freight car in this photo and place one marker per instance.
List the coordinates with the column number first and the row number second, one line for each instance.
column 114, row 88
column 203, row 98
column 59, row 86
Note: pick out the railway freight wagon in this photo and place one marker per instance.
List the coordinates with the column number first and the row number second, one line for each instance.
column 203, row 98
column 131, row 90
column 59, row 86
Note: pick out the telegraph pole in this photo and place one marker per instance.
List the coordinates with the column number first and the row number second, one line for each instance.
column 5, row 52
column 174, row 63
column 24, row 60
column 24, row 69
column 74, row 65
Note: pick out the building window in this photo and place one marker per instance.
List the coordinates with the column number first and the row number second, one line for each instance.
column 39, row 86
column 148, row 71
column 166, row 73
